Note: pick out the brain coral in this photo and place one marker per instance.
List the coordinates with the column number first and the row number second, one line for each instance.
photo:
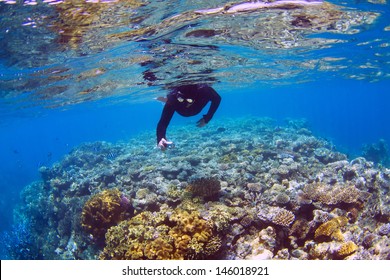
column 332, row 228
column 104, row 210
column 332, row 194
column 175, row 234
column 205, row 187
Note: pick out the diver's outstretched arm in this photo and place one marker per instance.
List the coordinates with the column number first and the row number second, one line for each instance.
column 165, row 119
column 215, row 99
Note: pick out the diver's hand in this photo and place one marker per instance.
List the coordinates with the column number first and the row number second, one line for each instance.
column 201, row 123
column 164, row 144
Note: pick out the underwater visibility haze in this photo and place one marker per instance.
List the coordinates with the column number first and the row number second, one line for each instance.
column 293, row 165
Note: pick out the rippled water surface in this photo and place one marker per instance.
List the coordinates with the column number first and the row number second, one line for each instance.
column 75, row 71
column 56, row 53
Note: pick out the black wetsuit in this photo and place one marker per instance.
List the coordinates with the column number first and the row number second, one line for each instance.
column 179, row 100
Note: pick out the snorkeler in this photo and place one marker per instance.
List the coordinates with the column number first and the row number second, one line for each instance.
column 187, row 100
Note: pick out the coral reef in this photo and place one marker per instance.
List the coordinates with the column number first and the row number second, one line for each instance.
column 204, row 187
column 104, row 210
column 347, row 248
column 336, row 194
column 275, row 215
column 279, row 197
column 377, row 152
column 283, row 217
column 332, row 228
column 174, row 235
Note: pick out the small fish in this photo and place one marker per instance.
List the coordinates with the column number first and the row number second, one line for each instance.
column 111, row 155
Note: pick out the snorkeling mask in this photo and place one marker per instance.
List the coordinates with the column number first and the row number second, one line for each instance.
column 181, row 99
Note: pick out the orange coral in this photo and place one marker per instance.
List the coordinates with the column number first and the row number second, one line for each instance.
column 102, row 211
column 332, row 228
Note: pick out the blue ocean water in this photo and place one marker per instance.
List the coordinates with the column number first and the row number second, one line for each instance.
column 345, row 101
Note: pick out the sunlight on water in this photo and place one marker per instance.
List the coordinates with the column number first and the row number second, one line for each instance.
column 292, row 166
column 66, row 52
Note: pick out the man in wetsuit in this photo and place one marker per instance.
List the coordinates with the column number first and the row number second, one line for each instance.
column 187, row 100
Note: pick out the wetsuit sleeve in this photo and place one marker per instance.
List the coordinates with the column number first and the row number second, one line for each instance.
column 165, row 119
column 215, row 100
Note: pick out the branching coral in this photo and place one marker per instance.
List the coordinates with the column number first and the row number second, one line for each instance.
column 332, row 229
column 276, row 215
column 283, row 217
column 205, row 187
column 104, row 210
column 162, row 235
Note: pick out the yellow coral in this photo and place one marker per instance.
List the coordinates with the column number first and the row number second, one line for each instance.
column 347, row 249
column 195, row 245
column 102, row 211
column 159, row 249
column 190, row 229
column 190, row 204
column 179, row 235
column 134, row 252
column 338, row 235
column 332, row 228
column 174, row 193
